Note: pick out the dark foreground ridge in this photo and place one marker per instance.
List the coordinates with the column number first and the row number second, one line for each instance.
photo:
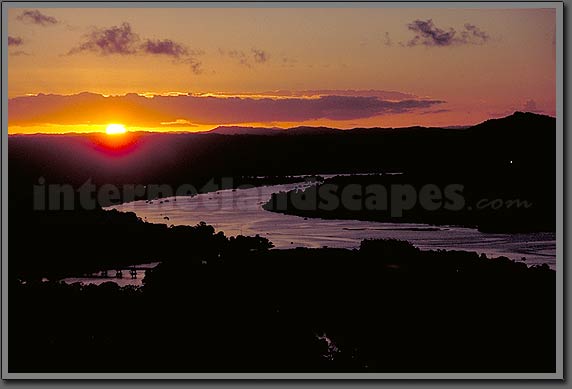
column 234, row 305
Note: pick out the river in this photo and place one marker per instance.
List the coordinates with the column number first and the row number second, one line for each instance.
column 239, row 212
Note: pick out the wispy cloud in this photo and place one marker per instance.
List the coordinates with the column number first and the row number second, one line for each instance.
column 15, row 41
column 247, row 58
column 138, row 110
column 529, row 105
column 18, row 53
column 105, row 41
column 36, row 17
column 236, row 54
column 315, row 93
column 179, row 123
column 122, row 40
column 289, row 62
column 195, row 65
column 387, row 40
column 436, row 111
column 260, row 56
column 428, row 34
column 473, row 34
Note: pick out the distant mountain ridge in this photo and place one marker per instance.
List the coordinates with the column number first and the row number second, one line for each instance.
column 238, row 130
column 517, row 118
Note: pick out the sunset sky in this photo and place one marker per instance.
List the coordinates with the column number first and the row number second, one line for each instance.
column 192, row 69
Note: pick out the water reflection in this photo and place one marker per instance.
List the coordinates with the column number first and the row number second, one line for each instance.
column 239, row 212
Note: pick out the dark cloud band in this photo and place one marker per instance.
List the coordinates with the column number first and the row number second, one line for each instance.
column 137, row 110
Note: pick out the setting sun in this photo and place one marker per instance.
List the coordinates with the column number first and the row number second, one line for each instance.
column 113, row 129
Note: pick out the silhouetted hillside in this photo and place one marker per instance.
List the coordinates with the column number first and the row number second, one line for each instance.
column 237, row 130
column 305, row 130
column 302, row 130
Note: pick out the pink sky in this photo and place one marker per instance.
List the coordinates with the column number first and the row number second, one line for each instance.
column 339, row 67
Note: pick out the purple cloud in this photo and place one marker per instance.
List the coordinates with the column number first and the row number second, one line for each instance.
column 122, row 40
column 381, row 94
column 36, row 17
column 105, row 41
column 141, row 111
column 15, row 41
column 474, row 34
column 427, row 34
column 164, row 47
